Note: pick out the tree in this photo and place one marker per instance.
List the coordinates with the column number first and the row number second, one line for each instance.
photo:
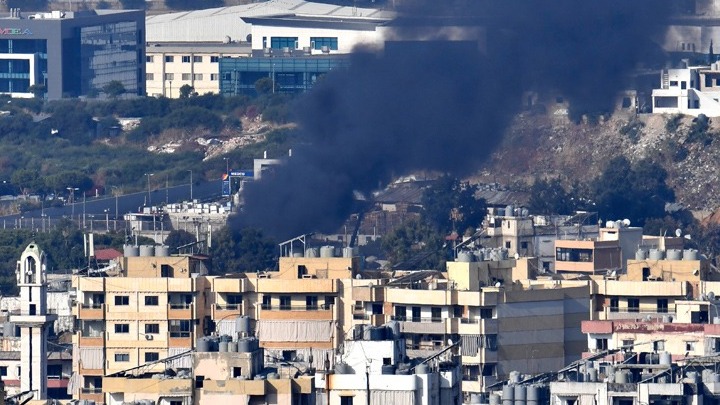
column 636, row 192
column 186, row 91
column 177, row 238
column 28, row 180
column 451, row 205
column 264, row 85
column 38, row 90
column 415, row 244
column 133, row 4
column 550, row 197
column 244, row 250
column 114, row 89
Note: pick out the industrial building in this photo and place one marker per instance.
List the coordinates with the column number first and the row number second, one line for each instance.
column 70, row 54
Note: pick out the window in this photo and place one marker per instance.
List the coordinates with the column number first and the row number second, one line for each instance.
column 486, row 313
column 628, row 343
column 199, row 381
column 377, row 308
column 237, row 372
column 151, row 300
column 508, row 245
column 267, row 302
column 346, row 400
column 331, row 43
column 614, row 304
column 633, row 305
column 436, row 314
column 573, row 255
column 233, row 300
column 400, row 313
column 283, row 42
column 122, row 328
column 285, row 302
column 122, row 357
column 523, row 245
column 601, row 344
column 186, row 59
column 180, row 328
column 214, row 77
column 149, row 76
column 197, row 76
column 169, row 59
column 152, row 328
column 169, row 76
column 3, row 371
column 152, row 356
column 186, row 76
column 659, row 345
column 122, row 300
column 690, row 346
column 149, row 58
column 662, row 305
column 708, row 81
column 197, row 59
column 673, row 83
column 311, row 302
column 329, row 301
column 683, row 85
column 214, row 59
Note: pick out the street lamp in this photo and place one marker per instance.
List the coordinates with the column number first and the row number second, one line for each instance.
column 148, row 184
column 71, row 191
column 191, row 185
column 115, row 191
column 107, row 219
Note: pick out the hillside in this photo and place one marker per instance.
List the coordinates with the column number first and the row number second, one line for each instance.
column 550, row 146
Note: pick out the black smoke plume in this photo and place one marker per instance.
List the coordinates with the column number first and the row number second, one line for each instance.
column 443, row 104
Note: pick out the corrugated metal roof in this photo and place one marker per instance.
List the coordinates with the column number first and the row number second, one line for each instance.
column 214, row 24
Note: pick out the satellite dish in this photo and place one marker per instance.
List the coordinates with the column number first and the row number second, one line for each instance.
column 678, row 232
column 517, row 255
column 626, row 222
column 711, row 296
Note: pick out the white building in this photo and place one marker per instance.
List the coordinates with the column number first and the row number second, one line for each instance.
column 377, row 368
column 692, row 91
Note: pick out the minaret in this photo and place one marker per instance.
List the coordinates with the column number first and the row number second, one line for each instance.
column 33, row 321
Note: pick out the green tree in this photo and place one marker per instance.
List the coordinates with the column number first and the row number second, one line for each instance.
column 38, row 90
column 550, row 197
column 264, row 86
column 186, row 91
column 449, row 204
column 415, row 244
column 28, row 180
column 114, row 89
column 177, row 238
column 245, row 250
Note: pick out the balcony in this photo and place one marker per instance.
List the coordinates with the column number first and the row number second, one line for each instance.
column 372, row 320
column 426, row 297
column 174, row 387
column 230, row 285
column 298, row 286
column 92, row 394
column 625, row 313
column 435, row 326
column 485, row 298
column 304, row 312
column 370, row 293
column 95, row 339
column 91, row 311
column 483, row 356
column 475, row 326
column 227, row 310
column 180, row 311
column 180, row 339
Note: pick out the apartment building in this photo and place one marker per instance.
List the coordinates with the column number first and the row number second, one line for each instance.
column 171, row 65
column 691, row 90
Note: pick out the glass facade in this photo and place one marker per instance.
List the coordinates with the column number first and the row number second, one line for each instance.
column 109, row 52
column 15, row 74
column 319, row 42
column 283, row 42
column 290, row 74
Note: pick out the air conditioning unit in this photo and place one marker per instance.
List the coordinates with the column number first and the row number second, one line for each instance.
column 148, row 337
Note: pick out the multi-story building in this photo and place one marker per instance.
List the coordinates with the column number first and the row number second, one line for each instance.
column 692, row 90
column 171, row 65
column 70, row 54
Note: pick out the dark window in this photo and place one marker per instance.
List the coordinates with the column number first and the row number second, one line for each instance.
column 199, row 381
column 285, row 302
column 152, row 328
column 458, row 311
column 400, row 313
column 330, row 301
column 485, row 313
column 180, row 328
column 234, row 299
column 214, row 59
column 614, row 304
column 347, row 400
column 311, row 302
column 508, row 245
column 633, row 305
column 3, row 371
column 186, row 59
column 708, row 81
column 683, row 85
column 523, row 245
column 151, row 300
column 122, row 357
column 283, row 42
column 662, row 305
column 289, row 355
column 149, row 58
column 122, row 328
column 169, row 59
column 436, row 314
column 416, row 313
column 319, row 42
column 197, row 59
column 267, row 301
column 152, row 356
column 573, row 255
column 601, row 344
column 122, row 300
column 237, row 372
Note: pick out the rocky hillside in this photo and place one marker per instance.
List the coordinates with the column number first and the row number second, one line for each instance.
column 549, row 145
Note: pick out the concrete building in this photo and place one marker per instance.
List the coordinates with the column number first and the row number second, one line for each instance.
column 692, row 91
column 71, row 54
column 171, row 65
column 616, row 243
column 34, row 321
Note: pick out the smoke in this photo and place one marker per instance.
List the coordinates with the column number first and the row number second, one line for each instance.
column 443, row 105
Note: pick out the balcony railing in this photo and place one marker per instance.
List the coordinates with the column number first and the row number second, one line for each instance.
column 228, row 307
column 402, row 318
column 92, row 334
column 95, row 390
column 180, row 334
column 323, row 307
column 660, row 310
column 91, row 306
column 175, row 305
column 473, row 320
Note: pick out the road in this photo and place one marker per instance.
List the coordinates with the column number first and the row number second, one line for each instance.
column 202, row 191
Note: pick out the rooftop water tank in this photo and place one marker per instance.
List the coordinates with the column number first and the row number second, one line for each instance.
column 242, row 324
column 147, row 250
column 387, row 369
column 203, row 345
column 674, row 254
column 223, row 346
column 342, row 368
column 690, row 254
column 509, row 211
column 656, row 254
column 131, row 251
column 327, row 251
column 465, row 256
column 621, row 377
column 508, row 395
column 244, row 345
column 421, row 369
column 311, row 252
column 641, row 254
column 533, row 395
column 665, row 358
column 495, row 399
column 520, row 395
column 162, row 251
column 233, row 347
